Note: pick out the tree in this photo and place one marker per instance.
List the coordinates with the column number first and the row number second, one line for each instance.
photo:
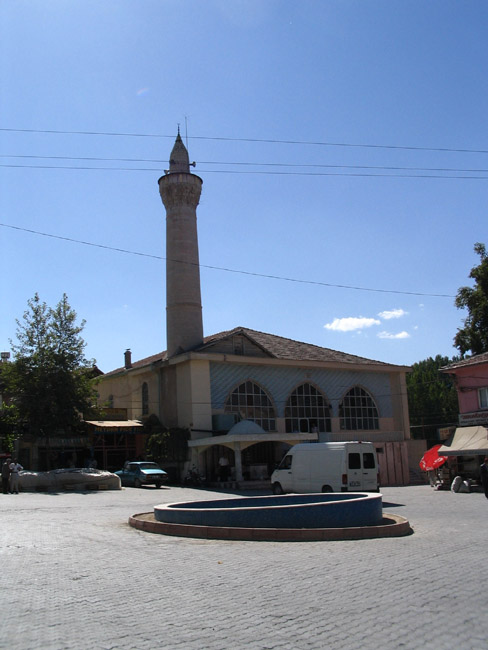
column 432, row 397
column 167, row 445
column 473, row 337
column 49, row 381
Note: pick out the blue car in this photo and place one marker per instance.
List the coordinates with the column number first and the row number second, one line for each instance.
column 137, row 474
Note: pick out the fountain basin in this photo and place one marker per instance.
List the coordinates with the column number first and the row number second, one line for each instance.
column 289, row 511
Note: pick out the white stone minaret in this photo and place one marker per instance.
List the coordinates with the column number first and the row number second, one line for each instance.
column 180, row 192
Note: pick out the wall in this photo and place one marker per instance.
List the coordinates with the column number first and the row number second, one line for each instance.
column 279, row 381
column 126, row 389
column 193, row 397
column 469, row 379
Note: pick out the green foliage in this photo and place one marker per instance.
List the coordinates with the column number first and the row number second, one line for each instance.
column 49, row 383
column 473, row 337
column 7, row 427
column 432, row 396
column 166, row 445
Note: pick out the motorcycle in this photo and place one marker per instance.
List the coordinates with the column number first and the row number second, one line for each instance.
column 194, row 478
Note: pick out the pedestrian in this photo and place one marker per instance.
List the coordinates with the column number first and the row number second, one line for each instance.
column 224, row 469
column 15, row 468
column 6, row 475
column 484, row 475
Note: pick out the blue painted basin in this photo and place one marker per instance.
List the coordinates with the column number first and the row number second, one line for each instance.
column 342, row 510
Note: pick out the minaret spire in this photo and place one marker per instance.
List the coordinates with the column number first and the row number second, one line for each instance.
column 180, row 192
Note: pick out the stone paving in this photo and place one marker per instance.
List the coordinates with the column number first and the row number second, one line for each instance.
column 75, row 575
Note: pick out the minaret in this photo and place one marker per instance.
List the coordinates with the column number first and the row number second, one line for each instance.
column 180, row 192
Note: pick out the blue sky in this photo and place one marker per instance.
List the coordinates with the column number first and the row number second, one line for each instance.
column 245, row 78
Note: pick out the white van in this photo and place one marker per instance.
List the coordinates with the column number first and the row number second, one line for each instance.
column 327, row 467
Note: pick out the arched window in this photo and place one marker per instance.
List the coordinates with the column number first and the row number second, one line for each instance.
column 307, row 410
column 358, row 410
column 145, row 399
column 252, row 403
column 110, row 402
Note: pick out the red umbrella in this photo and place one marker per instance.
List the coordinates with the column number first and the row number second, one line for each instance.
column 431, row 459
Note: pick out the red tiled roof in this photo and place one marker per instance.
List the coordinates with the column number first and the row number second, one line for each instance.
column 470, row 361
column 277, row 347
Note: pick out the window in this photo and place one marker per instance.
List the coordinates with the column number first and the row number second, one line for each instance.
column 368, row 461
column 306, row 411
column 238, row 345
column 483, row 397
column 286, row 462
column 358, row 411
column 354, row 461
column 252, row 403
column 145, row 399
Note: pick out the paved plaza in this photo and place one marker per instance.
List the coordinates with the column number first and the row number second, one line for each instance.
column 75, row 575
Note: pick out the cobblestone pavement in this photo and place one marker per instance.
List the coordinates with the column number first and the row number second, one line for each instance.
column 75, row 575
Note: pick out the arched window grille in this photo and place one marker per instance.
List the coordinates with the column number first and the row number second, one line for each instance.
column 307, row 411
column 358, row 411
column 252, row 403
column 145, row 399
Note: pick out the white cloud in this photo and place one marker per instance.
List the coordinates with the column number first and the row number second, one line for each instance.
column 389, row 335
column 392, row 313
column 351, row 324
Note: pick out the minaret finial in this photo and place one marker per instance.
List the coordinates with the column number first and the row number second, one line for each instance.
column 178, row 128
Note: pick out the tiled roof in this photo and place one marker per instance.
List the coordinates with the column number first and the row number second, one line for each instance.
column 470, row 361
column 277, row 347
column 161, row 356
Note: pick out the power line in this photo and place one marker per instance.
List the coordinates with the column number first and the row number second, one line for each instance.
column 260, row 172
column 247, row 164
column 227, row 270
column 259, row 140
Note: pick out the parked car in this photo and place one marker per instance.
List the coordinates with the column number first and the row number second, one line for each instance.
column 136, row 474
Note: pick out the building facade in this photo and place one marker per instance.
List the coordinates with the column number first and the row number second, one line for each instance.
column 246, row 396
column 471, row 377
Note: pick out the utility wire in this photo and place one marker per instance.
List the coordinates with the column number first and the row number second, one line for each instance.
column 250, row 164
column 220, row 268
column 261, row 140
column 261, row 172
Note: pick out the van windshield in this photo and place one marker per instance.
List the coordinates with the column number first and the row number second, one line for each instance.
column 286, row 462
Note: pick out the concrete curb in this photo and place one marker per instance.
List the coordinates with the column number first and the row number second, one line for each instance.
column 392, row 526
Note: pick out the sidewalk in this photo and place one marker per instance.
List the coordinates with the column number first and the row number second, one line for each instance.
column 76, row 576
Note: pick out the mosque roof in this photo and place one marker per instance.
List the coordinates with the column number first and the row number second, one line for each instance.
column 272, row 346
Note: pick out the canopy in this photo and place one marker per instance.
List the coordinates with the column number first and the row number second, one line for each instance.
column 467, row 441
column 115, row 424
column 431, row 459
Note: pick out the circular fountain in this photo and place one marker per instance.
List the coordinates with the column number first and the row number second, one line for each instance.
column 291, row 517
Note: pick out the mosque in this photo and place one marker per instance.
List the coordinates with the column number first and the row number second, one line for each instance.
column 246, row 396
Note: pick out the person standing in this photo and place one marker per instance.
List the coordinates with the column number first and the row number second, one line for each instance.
column 224, row 468
column 484, row 475
column 15, row 468
column 6, row 475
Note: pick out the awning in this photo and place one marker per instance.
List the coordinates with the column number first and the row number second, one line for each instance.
column 467, row 441
column 103, row 425
column 249, row 439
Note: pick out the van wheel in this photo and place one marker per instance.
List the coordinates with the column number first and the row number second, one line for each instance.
column 277, row 489
column 327, row 488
